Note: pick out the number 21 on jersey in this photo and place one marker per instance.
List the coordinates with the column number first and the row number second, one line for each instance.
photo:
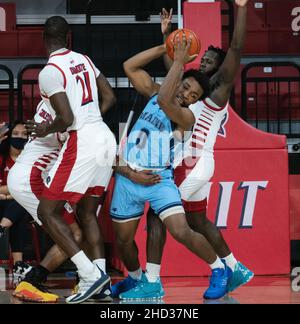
column 85, row 83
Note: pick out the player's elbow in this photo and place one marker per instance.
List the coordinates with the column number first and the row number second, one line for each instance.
column 68, row 120
column 112, row 99
column 126, row 67
column 162, row 101
column 130, row 68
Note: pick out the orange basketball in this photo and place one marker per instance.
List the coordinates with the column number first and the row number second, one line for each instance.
column 195, row 45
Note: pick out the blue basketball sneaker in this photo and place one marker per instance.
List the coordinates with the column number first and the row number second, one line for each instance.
column 144, row 290
column 123, row 286
column 218, row 283
column 240, row 276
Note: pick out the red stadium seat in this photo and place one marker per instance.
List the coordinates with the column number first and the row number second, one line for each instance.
column 9, row 43
column 289, row 94
column 30, row 92
column 27, row 37
column 257, row 33
column 282, row 38
column 277, row 99
column 269, row 28
column 4, row 105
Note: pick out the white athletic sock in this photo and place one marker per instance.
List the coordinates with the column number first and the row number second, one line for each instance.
column 137, row 274
column 231, row 261
column 101, row 263
column 85, row 267
column 152, row 271
column 217, row 264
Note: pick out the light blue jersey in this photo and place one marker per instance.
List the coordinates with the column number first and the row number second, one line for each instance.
column 150, row 144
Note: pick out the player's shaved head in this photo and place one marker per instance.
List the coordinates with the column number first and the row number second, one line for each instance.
column 56, row 30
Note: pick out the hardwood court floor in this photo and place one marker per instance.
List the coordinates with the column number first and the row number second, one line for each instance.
column 189, row 290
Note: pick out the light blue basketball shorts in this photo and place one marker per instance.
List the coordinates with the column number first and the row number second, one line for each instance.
column 129, row 199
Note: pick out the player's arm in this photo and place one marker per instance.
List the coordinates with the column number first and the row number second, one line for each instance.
column 167, row 101
column 64, row 118
column 51, row 84
column 108, row 98
column 227, row 72
column 105, row 91
column 166, row 28
column 138, row 77
column 146, row 178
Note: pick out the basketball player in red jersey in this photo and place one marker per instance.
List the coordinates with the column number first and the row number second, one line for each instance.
column 196, row 156
column 69, row 85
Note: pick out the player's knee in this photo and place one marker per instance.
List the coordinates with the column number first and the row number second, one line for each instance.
column 124, row 239
column 87, row 216
column 182, row 234
column 77, row 235
column 197, row 220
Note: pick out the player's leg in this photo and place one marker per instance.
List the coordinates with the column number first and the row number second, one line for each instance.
column 25, row 185
column 166, row 202
column 194, row 191
column 32, row 288
column 92, row 236
column 156, row 239
column 80, row 171
column 125, row 233
column 56, row 256
column 178, row 227
column 199, row 222
column 49, row 212
column 126, row 210
column 93, row 242
column 128, row 250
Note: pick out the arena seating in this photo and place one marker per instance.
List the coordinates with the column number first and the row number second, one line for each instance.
column 269, row 28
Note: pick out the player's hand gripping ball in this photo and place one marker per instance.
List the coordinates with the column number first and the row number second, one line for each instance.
column 195, row 42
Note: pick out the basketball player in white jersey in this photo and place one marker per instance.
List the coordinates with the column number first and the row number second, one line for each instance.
column 197, row 159
column 69, row 85
column 25, row 183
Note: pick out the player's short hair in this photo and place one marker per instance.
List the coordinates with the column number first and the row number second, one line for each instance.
column 56, row 29
column 221, row 53
column 201, row 78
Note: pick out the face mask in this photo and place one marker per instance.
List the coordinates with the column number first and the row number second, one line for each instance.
column 18, row 142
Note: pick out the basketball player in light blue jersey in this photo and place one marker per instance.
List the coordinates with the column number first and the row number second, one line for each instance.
column 150, row 147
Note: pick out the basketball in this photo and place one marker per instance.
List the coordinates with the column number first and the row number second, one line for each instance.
column 195, row 45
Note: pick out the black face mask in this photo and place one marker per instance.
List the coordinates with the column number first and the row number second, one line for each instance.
column 18, row 142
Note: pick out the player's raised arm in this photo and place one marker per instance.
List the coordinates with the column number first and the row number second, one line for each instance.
column 139, row 78
column 227, row 72
column 175, row 94
column 166, row 29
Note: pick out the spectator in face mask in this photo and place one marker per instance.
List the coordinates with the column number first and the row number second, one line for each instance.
column 12, row 215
